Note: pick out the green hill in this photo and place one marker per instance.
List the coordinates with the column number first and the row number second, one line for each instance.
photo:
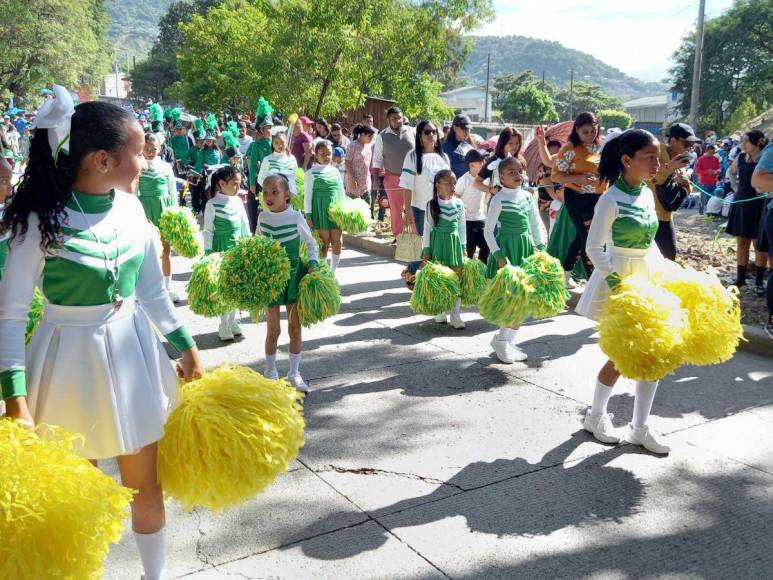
column 134, row 26
column 518, row 53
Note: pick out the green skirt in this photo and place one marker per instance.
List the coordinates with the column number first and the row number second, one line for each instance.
column 224, row 241
column 561, row 238
column 153, row 206
column 298, row 269
column 319, row 216
column 516, row 247
column 446, row 248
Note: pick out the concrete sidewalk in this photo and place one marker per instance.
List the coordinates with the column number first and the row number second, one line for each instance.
column 426, row 458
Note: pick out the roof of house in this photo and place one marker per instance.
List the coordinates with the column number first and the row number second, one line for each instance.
column 647, row 102
column 462, row 89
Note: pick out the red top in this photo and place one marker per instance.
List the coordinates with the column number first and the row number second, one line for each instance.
column 707, row 168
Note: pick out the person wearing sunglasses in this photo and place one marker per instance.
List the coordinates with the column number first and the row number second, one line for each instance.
column 457, row 144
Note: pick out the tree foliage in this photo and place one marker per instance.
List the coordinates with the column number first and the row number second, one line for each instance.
column 582, row 97
column 611, row 118
column 527, row 103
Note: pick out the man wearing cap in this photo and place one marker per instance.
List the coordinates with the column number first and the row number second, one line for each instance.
column 674, row 158
column 301, row 144
column 258, row 150
column 457, row 144
column 182, row 145
column 389, row 151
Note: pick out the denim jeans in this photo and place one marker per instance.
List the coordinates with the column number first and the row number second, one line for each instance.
column 418, row 217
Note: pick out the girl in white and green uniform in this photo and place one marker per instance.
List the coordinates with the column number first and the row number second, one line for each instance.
column 280, row 161
column 225, row 223
column 95, row 365
column 322, row 185
column 620, row 244
column 157, row 192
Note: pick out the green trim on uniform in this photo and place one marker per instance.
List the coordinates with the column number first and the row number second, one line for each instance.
column 14, row 383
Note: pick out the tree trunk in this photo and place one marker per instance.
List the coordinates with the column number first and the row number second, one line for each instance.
column 327, row 82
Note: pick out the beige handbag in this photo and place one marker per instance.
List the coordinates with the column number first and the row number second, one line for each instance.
column 408, row 245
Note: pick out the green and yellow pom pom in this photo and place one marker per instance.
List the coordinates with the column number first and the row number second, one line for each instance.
column 204, row 295
column 179, row 227
column 641, row 329
column 474, row 282
column 297, row 200
column 437, row 289
column 351, row 215
column 233, row 432
column 319, row 296
column 506, row 302
column 254, row 273
column 35, row 315
column 713, row 313
column 303, row 251
column 546, row 276
column 58, row 513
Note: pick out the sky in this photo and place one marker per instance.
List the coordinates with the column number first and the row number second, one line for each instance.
column 637, row 37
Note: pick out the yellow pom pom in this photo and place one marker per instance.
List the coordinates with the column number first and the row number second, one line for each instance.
column 58, row 513
column 506, row 302
column 641, row 329
column 233, row 432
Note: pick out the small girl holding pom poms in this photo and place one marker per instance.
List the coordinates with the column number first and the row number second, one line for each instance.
column 322, row 186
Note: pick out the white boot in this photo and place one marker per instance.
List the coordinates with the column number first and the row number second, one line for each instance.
column 456, row 315
column 224, row 332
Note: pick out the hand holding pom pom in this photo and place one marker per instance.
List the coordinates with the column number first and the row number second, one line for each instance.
column 436, row 290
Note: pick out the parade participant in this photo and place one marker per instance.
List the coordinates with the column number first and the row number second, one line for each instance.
column 258, row 150
column 280, row 161
column 157, row 191
column 418, row 174
column 196, row 164
column 475, row 206
column 287, row 226
column 509, row 144
column 512, row 233
column 389, row 150
column 620, row 243
column 225, row 223
column 322, row 186
column 181, row 145
column 445, row 234
column 6, row 174
column 88, row 246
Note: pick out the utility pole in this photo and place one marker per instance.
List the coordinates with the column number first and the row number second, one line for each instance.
column 696, row 68
column 571, row 94
column 487, row 112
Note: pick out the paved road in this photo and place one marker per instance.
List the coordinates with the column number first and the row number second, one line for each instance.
column 425, row 458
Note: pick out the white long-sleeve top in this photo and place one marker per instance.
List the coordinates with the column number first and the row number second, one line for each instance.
column 451, row 210
column 286, row 226
column 502, row 208
column 283, row 163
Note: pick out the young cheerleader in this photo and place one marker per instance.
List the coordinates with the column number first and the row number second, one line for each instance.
column 514, row 216
column 157, row 192
column 620, row 244
column 287, row 226
column 445, row 234
column 323, row 185
column 225, row 223
column 280, row 161
column 95, row 365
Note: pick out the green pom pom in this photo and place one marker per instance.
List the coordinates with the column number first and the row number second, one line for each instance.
column 506, row 302
column 303, row 251
column 230, row 140
column 546, row 276
column 35, row 315
column 351, row 215
column 257, row 315
column 254, row 273
column 474, row 282
column 319, row 296
column 263, row 108
column 179, row 227
column 199, row 125
column 156, row 112
column 211, row 122
column 297, row 200
column 204, row 296
column 436, row 290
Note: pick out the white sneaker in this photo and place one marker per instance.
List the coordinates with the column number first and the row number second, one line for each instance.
column 441, row 318
column 570, row 283
column 236, row 329
column 646, row 438
column 457, row 322
column 225, row 333
column 601, row 427
column 174, row 297
column 297, row 382
column 518, row 354
column 272, row 374
column 503, row 350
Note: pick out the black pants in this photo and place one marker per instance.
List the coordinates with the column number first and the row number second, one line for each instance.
column 374, row 194
column 199, row 196
column 580, row 207
column 475, row 239
column 253, row 208
column 665, row 238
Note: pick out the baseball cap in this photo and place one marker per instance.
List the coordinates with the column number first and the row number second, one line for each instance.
column 462, row 121
column 306, row 121
column 683, row 131
column 339, row 152
column 393, row 109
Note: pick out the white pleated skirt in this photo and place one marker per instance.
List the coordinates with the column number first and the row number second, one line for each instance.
column 625, row 262
column 103, row 373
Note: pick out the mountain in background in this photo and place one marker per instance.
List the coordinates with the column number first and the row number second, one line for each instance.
column 134, row 26
column 515, row 54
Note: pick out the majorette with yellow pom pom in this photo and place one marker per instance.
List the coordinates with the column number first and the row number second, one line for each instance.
column 95, row 365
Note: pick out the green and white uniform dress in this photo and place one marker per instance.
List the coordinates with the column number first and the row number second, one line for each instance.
column 258, row 150
column 284, row 164
column 4, row 236
column 289, row 228
column 95, row 366
column 513, row 228
column 225, row 222
column 321, row 186
column 182, row 148
column 624, row 223
column 157, row 190
column 445, row 241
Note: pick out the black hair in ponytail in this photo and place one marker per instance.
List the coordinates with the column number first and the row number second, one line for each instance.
column 628, row 143
column 46, row 185
column 225, row 173
column 434, row 204
column 362, row 130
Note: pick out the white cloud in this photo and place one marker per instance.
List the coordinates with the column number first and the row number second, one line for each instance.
column 636, row 37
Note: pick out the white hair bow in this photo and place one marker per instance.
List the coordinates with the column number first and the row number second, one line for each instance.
column 56, row 115
column 612, row 134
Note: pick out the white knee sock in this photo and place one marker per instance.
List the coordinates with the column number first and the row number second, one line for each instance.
column 502, row 334
column 295, row 363
column 512, row 333
column 601, row 396
column 151, row 548
column 642, row 404
column 271, row 364
column 334, row 262
column 232, row 316
column 225, row 319
column 458, row 306
column 167, row 281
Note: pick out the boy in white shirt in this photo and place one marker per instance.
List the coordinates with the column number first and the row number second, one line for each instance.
column 474, row 204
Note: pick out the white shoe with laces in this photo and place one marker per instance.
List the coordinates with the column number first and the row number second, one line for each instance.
column 457, row 322
column 600, row 426
column 271, row 374
column 503, row 350
column 298, row 383
column 225, row 333
column 441, row 318
column 646, row 438
column 174, row 297
column 570, row 283
column 518, row 354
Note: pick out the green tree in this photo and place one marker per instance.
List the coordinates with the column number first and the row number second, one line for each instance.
column 611, row 118
column 584, row 97
column 527, row 103
column 743, row 113
column 506, row 83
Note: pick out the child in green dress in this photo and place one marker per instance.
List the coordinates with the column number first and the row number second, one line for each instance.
column 322, row 186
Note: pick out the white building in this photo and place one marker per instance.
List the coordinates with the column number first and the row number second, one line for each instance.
column 116, row 85
column 654, row 113
column 468, row 100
